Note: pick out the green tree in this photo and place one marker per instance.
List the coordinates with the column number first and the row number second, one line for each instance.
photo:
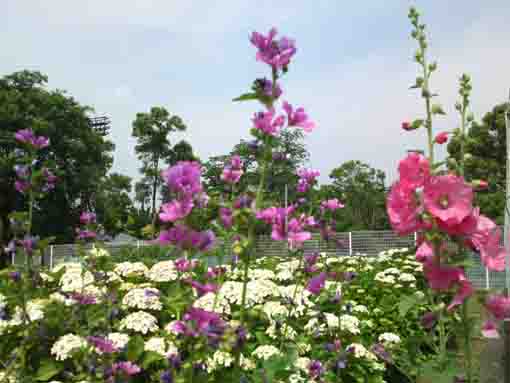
column 362, row 189
column 486, row 160
column 80, row 151
column 151, row 131
column 113, row 204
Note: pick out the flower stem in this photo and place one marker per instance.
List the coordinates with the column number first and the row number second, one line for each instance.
column 468, row 357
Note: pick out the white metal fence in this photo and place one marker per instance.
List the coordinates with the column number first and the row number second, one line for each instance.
column 362, row 243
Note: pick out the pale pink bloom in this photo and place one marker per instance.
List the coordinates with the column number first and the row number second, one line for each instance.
column 498, row 306
column 403, row 209
column 464, row 291
column 298, row 118
column 425, row 253
column 414, row 170
column 490, row 330
column 331, row 204
column 448, row 198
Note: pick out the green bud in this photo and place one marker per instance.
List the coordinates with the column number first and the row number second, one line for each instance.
column 437, row 109
column 468, row 156
column 458, row 106
column 433, row 66
column 452, row 163
column 470, row 117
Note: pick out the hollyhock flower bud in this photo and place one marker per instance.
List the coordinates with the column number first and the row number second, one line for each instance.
column 87, row 218
column 276, row 53
column 441, row 138
column 406, row 125
column 226, row 217
column 428, row 320
column 480, row 185
column 264, row 87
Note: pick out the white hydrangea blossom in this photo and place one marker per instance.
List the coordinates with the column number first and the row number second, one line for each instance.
column 361, row 309
column 75, row 280
column 284, row 276
column 219, row 359
column 291, row 266
column 407, row 277
column 98, row 252
column 303, row 348
column 332, row 320
column 302, row 363
column 297, row 378
column 274, row 310
column 334, row 285
column 3, row 301
column 140, row 321
column 389, row 338
column 265, row 352
column 161, row 346
column 143, row 299
column 384, row 278
column 118, row 339
column 130, row 269
column 350, row 324
column 207, row 302
column 257, row 291
column 64, row 347
column 285, row 330
column 163, row 271
column 359, row 351
column 314, row 326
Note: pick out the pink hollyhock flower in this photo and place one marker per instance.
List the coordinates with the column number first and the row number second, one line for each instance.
column 186, row 238
column 464, row 291
column 183, row 265
column 201, row 288
column 403, row 209
column 490, row 330
column 425, row 253
column 296, row 236
column 448, row 198
column 175, row 210
column 317, row 283
column 183, row 178
column 103, row 345
column 298, row 118
column 27, row 136
column 307, row 178
column 331, row 204
column 441, row 138
column 86, row 234
column 442, row 277
column 226, row 217
column 264, row 122
column 414, row 170
column 22, row 186
column 127, row 368
column 231, row 176
column 276, row 53
column 498, row 306
column 87, row 218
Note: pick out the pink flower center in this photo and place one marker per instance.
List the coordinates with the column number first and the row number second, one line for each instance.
column 443, row 202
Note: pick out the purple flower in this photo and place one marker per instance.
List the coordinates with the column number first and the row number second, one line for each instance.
column 184, row 178
column 87, row 218
column 276, row 53
column 298, row 118
column 22, row 171
column 186, row 239
column 428, row 320
column 315, row 369
column 176, row 210
column 201, row 288
column 29, row 244
column 15, row 276
column 83, row 299
column 307, row 178
column 166, row 377
column 265, row 87
column 317, row 283
column 104, row 345
column 197, row 322
column 22, row 186
column 128, row 368
column 232, row 173
column 242, row 202
column 86, row 234
column 331, row 205
column 182, row 264
column 226, row 217
column 264, row 122
column 379, row 350
column 27, row 136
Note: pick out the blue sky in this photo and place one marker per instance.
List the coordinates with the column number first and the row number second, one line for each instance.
column 351, row 72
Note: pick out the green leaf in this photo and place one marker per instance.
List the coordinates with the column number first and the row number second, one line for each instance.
column 407, row 303
column 246, row 97
column 135, row 348
column 417, row 123
column 151, row 357
column 47, row 370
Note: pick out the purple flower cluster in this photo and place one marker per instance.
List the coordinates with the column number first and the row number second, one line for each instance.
column 265, row 87
column 232, row 173
column 198, row 322
column 104, row 345
column 276, row 53
column 187, row 239
column 298, row 118
column 266, row 123
column 27, row 136
column 307, row 177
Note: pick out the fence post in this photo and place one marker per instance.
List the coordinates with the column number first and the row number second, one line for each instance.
column 13, row 256
column 415, row 238
column 137, row 244
column 487, row 281
column 350, row 242
column 51, row 257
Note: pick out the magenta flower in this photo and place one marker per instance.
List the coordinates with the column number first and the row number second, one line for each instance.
column 128, row 368
column 298, row 118
column 315, row 369
column 183, row 178
column 86, row 234
column 264, row 122
column 27, row 136
column 498, row 306
column 83, row 299
column 198, row 322
column 307, row 177
column 265, row 86
column 183, row 265
column 425, row 253
column 317, row 283
column 464, row 291
column 276, row 53
column 414, row 170
column 296, row 235
column 441, row 138
column 442, row 277
column 104, row 345
column 187, row 239
column 331, row 204
column 202, row 289
column 226, row 217
column 22, row 186
column 406, row 125
column 176, row 210
column 232, row 173
column 490, row 330
column 87, row 218
column 403, row 209
column 448, row 198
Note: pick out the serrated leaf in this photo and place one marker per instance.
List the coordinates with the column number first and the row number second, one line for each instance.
column 47, row 370
column 246, row 97
column 437, row 109
column 407, row 303
column 151, row 357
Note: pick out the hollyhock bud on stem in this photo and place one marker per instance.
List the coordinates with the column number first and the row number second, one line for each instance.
column 441, row 138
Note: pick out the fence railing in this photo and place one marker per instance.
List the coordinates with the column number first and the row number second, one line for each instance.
column 362, row 243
